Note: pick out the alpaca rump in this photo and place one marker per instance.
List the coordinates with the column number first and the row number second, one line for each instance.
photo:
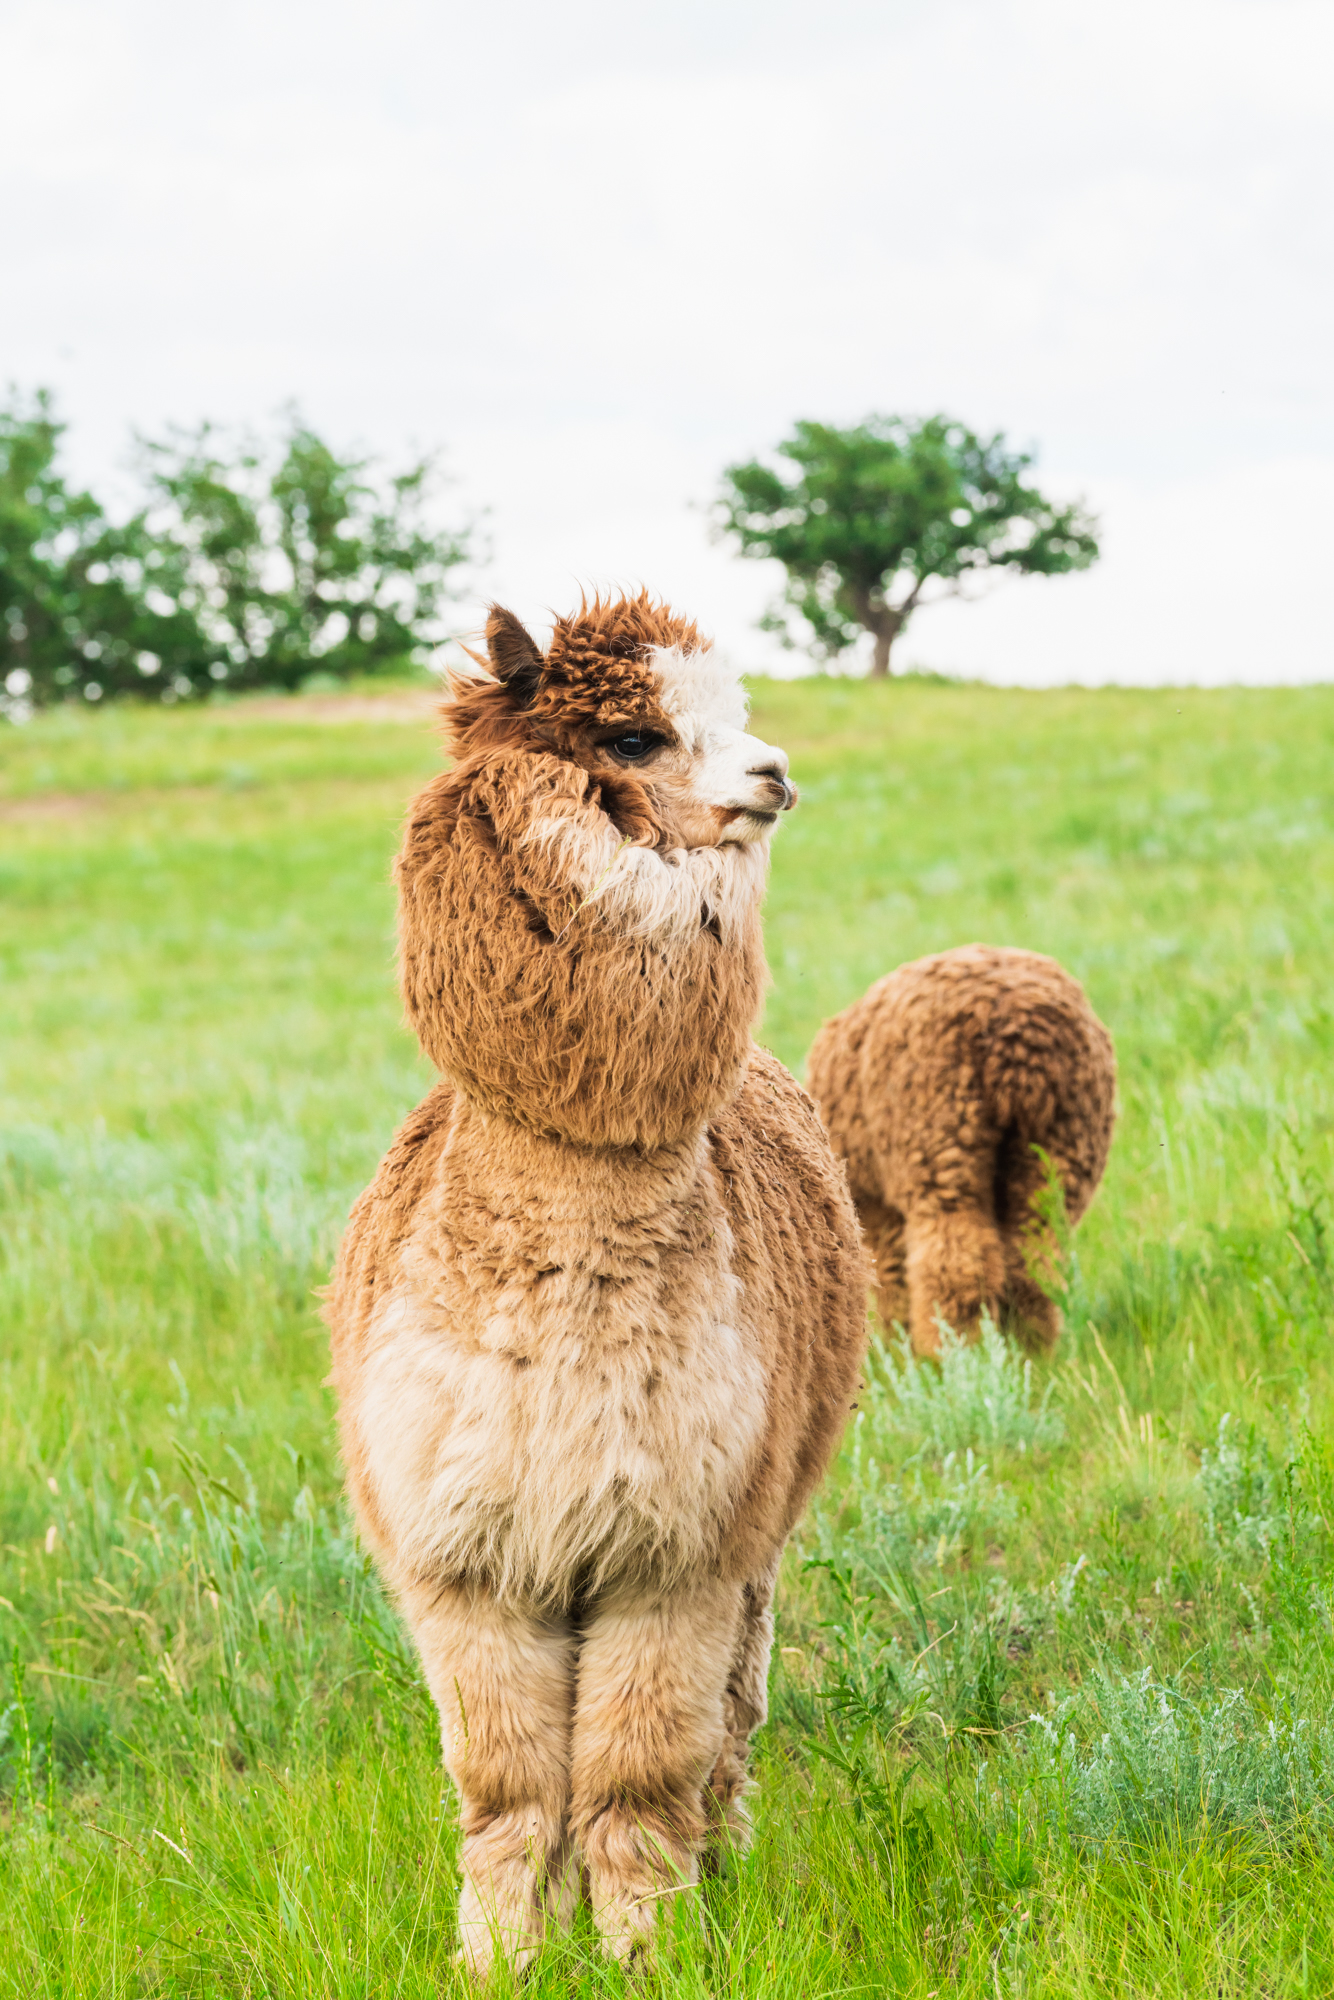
column 597, row 1323
column 936, row 1088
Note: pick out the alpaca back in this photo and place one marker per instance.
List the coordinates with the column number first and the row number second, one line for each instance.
column 945, row 1088
column 955, row 1054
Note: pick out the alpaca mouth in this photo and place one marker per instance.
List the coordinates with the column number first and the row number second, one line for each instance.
column 753, row 822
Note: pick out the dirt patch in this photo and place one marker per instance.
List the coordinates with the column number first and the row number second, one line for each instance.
column 50, row 805
column 403, row 705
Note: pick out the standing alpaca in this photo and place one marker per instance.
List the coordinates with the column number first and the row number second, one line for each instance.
column 936, row 1086
column 597, row 1322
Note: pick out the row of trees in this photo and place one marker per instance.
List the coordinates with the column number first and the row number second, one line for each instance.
column 248, row 563
column 251, row 563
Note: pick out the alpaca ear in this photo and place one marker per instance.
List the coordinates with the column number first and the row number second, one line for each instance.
column 515, row 656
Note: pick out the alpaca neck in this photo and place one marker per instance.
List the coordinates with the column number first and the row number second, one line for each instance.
column 591, row 992
column 507, row 1163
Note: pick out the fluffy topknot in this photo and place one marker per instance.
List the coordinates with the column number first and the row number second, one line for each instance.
column 601, row 638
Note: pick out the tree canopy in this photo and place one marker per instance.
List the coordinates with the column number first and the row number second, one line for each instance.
column 868, row 520
column 75, row 609
column 247, row 564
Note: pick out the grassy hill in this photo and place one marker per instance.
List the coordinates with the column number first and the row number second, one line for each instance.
column 1053, row 1718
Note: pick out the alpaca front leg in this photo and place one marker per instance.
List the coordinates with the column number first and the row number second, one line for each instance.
column 745, row 1707
column 503, row 1681
column 649, row 1727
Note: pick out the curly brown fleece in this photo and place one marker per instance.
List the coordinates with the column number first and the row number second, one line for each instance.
column 613, row 1063
column 936, row 1087
column 597, row 1323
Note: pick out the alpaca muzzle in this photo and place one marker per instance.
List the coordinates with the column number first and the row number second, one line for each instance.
column 777, row 792
column 779, row 796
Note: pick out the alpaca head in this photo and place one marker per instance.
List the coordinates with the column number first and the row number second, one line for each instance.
column 632, row 694
column 579, row 895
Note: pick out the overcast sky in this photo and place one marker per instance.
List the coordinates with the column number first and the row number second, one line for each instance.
column 597, row 251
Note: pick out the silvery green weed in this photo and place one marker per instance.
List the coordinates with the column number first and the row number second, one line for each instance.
column 1133, row 1756
column 920, row 1515
column 1242, row 1489
column 978, row 1395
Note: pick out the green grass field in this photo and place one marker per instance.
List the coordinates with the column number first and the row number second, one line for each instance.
column 1053, row 1717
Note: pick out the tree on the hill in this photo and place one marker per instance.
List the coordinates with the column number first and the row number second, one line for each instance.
column 77, row 612
column 246, row 566
column 295, row 558
column 866, row 520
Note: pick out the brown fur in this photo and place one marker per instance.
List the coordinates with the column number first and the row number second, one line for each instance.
column 935, row 1087
column 597, row 1323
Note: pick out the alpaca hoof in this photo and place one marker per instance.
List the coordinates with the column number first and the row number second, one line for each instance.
column 482, row 1956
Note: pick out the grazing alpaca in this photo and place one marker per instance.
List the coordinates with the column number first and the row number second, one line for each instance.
column 935, row 1087
column 597, row 1322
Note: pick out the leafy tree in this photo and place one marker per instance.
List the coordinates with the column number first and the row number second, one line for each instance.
column 246, row 566
column 75, row 614
column 296, row 558
column 870, row 517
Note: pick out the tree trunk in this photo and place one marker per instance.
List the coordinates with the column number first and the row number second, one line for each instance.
column 885, row 626
column 884, row 639
column 883, row 623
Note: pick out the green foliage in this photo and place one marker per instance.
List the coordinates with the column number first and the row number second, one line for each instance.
column 1166, row 1762
column 975, row 1395
column 248, row 565
column 293, row 558
column 902, row 1513
column 202, row 1061
column 77, row 611
column 874, row 514
column 1242, row 1489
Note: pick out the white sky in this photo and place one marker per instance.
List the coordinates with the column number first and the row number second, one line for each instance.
column 599, row 250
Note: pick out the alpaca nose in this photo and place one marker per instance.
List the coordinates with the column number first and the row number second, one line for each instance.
column 774, row 765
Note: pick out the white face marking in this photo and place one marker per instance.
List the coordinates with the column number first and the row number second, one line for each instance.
column 719, row 790
column 730, row 770
column 699, row 689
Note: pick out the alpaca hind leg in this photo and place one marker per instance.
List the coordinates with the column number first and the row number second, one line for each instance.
column 745, row 1707
column 955, row 1266
column 939, row 1165
column 1028, row 1314
column 503, row 1681
column 1032, row 1252
column 649, row 1727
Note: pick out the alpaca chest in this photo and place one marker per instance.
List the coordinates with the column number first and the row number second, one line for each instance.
column 547, row 1410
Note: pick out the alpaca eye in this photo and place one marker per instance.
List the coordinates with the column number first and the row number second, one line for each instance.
column 636, row 745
